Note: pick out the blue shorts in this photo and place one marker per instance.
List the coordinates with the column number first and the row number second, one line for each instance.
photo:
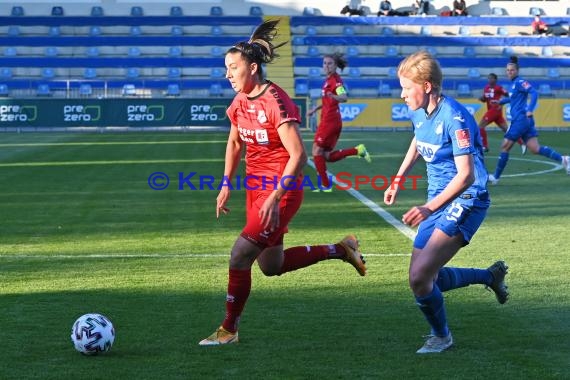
column 454, row 219
column 521, row 128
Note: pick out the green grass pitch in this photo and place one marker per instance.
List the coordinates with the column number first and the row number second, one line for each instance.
column 81, row 231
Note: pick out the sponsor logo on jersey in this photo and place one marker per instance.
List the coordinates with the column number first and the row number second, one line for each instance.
column 427, row 150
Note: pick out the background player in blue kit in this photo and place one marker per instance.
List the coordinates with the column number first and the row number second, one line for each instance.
column 522, row 122
column 448, row 139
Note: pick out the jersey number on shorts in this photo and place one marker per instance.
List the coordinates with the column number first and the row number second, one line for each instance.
column 454, row 212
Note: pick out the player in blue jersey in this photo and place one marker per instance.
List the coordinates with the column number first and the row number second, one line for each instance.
column 447, row 137
column 522, row 123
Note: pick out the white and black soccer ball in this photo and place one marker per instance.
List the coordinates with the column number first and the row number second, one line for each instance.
column 92, row 333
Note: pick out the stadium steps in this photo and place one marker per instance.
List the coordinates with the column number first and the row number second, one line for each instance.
column 281, row 70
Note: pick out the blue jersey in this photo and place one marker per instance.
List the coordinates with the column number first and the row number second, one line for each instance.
column 448, row 132
column 518, row 97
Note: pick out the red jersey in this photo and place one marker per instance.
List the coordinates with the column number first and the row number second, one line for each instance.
column 330, row 111
column 493, row 93
column 257, row 120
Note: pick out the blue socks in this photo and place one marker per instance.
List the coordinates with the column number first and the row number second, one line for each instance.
column 434, row 310
column 450, row 278
column 550, row 153
column 503, row 159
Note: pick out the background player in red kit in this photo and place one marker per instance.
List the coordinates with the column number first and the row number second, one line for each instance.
column 492, row 93
column 265, row 121
column 330, row 125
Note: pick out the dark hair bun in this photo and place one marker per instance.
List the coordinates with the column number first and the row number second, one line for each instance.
column 514, row 59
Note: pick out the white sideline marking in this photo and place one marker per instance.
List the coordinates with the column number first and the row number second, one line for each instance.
column 555, row 167
column 158, row 256
column 401, row 227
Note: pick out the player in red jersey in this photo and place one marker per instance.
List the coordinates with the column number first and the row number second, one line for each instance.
column 492, row 93
column 330, row 125
column 265, row 121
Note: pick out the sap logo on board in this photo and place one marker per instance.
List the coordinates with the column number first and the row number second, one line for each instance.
column 350, row 112
column 400, row 112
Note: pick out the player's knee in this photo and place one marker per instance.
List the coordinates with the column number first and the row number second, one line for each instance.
column 270, row 271
column 419, row 282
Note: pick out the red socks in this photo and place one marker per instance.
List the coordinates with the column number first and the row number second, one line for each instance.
column 239, row 286
column 342, row 153
column 321, row 166
column 301, row 257
column 483, row 132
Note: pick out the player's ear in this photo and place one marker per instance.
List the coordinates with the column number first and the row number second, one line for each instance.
column 427, row 87
column 253, row 68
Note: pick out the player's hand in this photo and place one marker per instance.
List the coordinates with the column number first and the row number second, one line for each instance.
column 221, row 200
column 416, row 215
column 269, row 213
column 390, row 195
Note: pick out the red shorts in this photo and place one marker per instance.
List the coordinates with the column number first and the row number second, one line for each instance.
column 495, row 116
column 254, row 231
column 327, row 137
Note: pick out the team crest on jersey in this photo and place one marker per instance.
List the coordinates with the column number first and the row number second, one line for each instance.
column 439, row 128
column 261, row 117
column 525, row 85
column 463, row 138
column 261, row 136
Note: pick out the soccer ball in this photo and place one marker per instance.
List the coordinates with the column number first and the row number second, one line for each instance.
column 92, row 333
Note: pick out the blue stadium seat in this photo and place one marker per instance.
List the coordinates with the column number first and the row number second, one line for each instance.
column 176, row 11
column 176, row 30
column 384, row 90
column 387, row 31
column 92, row 51
column 216, row 51
column 175, row 51
column 217, row 73
column 473, row 73
column 173, row 89
column 48, row 73
column 392, row 72
column 132, row 73
column 97, row 11
column 17, row 10
column 311, row 31
column 10, row 51
column 464, row 31
column 502, row 31
column 314, row 72
column 463, row 90
column 134, row 51
column 85, row 89
column 298, row 40
column 547, row 51
column 51, row 51
column 354, row 72
column 352, row 51
column 568, row 11
column 43, row 90
column 216, row 11
column 508, row 51
column 54, row 31
column 469, row 51
column 544, row 89
column 13, row 30
column 391, row 51
column 313, row 51
column 533, row 11
column 432, row 50
column 255, row 11
column 215, row 89
column 174, row 73
column 217, row 30
column 310, row 11
column 553, row 73
column 301, row 89
column 57, row 11
column 90, row 73
column 137, row 11
column 94, row 30
column 5, row 73
column 135, row 30
column 497, row 11
column 425, row 31
column 348, row 31
column 129, row 90
column 4, row 91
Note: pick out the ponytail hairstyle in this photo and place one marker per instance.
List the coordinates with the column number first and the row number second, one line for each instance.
column 259, row 48
column 514, row 60
column 338, row 59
